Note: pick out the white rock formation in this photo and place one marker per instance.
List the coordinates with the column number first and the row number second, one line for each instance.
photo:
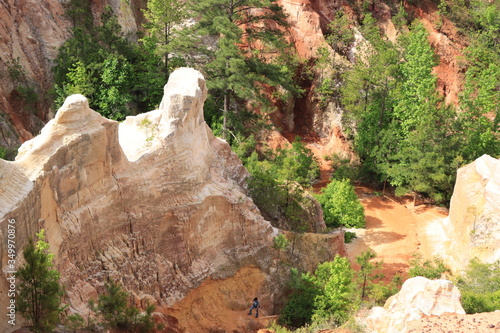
column 156, row 202
column 418, row 297
column 472, row 228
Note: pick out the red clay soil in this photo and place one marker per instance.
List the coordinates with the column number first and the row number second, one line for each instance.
column 394, row 231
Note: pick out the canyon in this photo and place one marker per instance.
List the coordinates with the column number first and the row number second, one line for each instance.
column 161, row 205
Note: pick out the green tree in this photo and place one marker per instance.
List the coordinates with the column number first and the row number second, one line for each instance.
column 277, row 183
column 326, row 294
column 242, row 52
column 39, row 291
column 369, row 97
column 341, row 206
column 366, row 275
column 299, row 307
column 114, row 95
column 117, row 76
column 340, row 36
column 334, row 279
column 113, row 307
column 163, row 18
column 480, row 287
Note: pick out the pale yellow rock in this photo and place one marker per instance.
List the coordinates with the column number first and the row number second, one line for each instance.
column 472, row 228
column 156, row 202
column 418, row 297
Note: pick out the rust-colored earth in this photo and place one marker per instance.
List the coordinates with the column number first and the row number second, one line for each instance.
column 395, row 230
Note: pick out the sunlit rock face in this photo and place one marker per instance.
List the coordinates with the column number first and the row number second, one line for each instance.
column 155, row 202
column 418, row 297
column 472, row 229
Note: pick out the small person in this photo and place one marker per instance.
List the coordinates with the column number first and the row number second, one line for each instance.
column 256, row 306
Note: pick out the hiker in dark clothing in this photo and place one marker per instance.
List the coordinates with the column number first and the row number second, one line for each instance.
column 256, row 306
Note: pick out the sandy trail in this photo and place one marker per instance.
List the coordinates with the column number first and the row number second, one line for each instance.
column 395, row 230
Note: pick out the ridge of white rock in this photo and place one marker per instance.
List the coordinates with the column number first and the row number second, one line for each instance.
column 156, row 202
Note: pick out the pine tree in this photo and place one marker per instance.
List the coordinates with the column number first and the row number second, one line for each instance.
column 39, row 292
column 240, row 51
column 163, row 16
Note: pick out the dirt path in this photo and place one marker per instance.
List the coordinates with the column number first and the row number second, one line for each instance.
column 395, row 230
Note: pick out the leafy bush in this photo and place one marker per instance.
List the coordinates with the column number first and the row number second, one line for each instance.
column 326, row 294
column 480, row 287
column 380, row 292
column 74, row 322
column 277, row 181
column 8, row 154
column 115, row 313
column 473, row 302
column 341, row 206
column 299, row 308
column 349, row 236
column 431, row 269
column 334, row 278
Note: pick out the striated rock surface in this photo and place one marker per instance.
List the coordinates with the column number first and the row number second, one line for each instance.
column 156, row 202
column 418, row 297
column 472, row 228
column 30, row 35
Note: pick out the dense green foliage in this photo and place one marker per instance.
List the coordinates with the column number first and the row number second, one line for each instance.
column 404, row 133
column 335, row 291
column 39, row 291
column 326, row 293
column 278, row 180
column 117, row 76
column 341, row 206
column 232, row 44
column 480, row 287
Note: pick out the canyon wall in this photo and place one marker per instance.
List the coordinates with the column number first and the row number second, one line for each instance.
column 31, row 33
column 472, row 229
column 156, row 202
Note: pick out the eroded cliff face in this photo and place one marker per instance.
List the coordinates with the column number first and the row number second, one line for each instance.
column 472, row 229
column 156, row 202
column 320, row 123
column 31, row 33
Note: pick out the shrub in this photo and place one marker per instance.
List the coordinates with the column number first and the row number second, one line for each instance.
column 431, row 269
column 480, row 287
column 341, row 206
column 39, row 292
column 349, row 236
column 324, row 295
column 113, row 309
column 299, row 308
column 334, row 278
column 474, row 302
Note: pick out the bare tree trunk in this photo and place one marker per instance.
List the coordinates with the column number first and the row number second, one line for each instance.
column 225, row 115
column 167, row 34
